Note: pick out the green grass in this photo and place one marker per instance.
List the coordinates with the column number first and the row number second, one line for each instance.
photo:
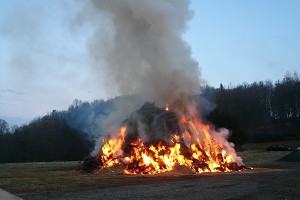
column 24, row 179
column 28, row 179
column 255, row 154
column 263, row 146
column 262, row 158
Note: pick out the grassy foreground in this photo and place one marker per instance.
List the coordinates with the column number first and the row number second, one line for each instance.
column 27, row 179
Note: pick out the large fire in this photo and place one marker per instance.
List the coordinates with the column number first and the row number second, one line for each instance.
column 196, row 147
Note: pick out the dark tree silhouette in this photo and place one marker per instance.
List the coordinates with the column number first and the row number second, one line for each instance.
column 4, row 127
column 257, row 112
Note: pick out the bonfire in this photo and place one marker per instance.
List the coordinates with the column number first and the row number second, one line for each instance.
column 154, row 140
column 145, row 55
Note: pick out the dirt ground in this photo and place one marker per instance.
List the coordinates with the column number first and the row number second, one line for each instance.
column 261, row 183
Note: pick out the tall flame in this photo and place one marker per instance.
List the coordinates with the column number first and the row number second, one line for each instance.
column 195, row 148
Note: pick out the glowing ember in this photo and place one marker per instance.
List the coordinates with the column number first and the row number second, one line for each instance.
column 197, row 147
column 167, row 107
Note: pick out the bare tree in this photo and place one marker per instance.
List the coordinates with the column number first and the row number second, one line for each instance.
column 4, row 127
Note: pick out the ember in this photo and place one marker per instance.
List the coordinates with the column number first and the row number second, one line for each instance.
column 166, row 142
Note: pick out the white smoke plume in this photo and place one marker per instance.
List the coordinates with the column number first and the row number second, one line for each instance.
column 138, row 45
column 140, row 48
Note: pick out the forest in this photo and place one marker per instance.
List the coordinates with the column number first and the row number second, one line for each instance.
column 258, row 112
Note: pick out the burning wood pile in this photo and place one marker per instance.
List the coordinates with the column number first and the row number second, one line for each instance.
column 154, row 140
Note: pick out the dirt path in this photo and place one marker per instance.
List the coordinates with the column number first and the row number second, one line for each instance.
column 261, row 183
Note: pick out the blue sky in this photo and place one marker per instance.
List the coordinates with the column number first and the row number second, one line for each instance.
column 43, row 59
column 244, row 41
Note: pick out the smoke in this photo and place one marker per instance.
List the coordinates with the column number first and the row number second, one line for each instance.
column 138, row 45
column 140, row 49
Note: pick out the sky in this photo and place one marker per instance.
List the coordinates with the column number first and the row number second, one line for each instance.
column 44, row 63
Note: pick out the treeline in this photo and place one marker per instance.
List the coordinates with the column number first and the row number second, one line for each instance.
column 257, row 112
column 57, row 136
column 44, row 140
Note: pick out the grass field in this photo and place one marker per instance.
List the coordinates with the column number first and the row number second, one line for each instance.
column 27, row 179
column 263, row 146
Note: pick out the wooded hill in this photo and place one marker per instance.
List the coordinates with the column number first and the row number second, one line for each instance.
column 256, row 112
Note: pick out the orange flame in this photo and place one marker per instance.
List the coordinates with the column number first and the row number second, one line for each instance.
column 167, row 107
column 112, row 148
column 195, row 148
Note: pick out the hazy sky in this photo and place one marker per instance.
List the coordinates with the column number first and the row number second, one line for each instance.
column 44, row 63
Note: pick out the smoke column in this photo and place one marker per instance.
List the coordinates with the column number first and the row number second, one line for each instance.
column 143, row 53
